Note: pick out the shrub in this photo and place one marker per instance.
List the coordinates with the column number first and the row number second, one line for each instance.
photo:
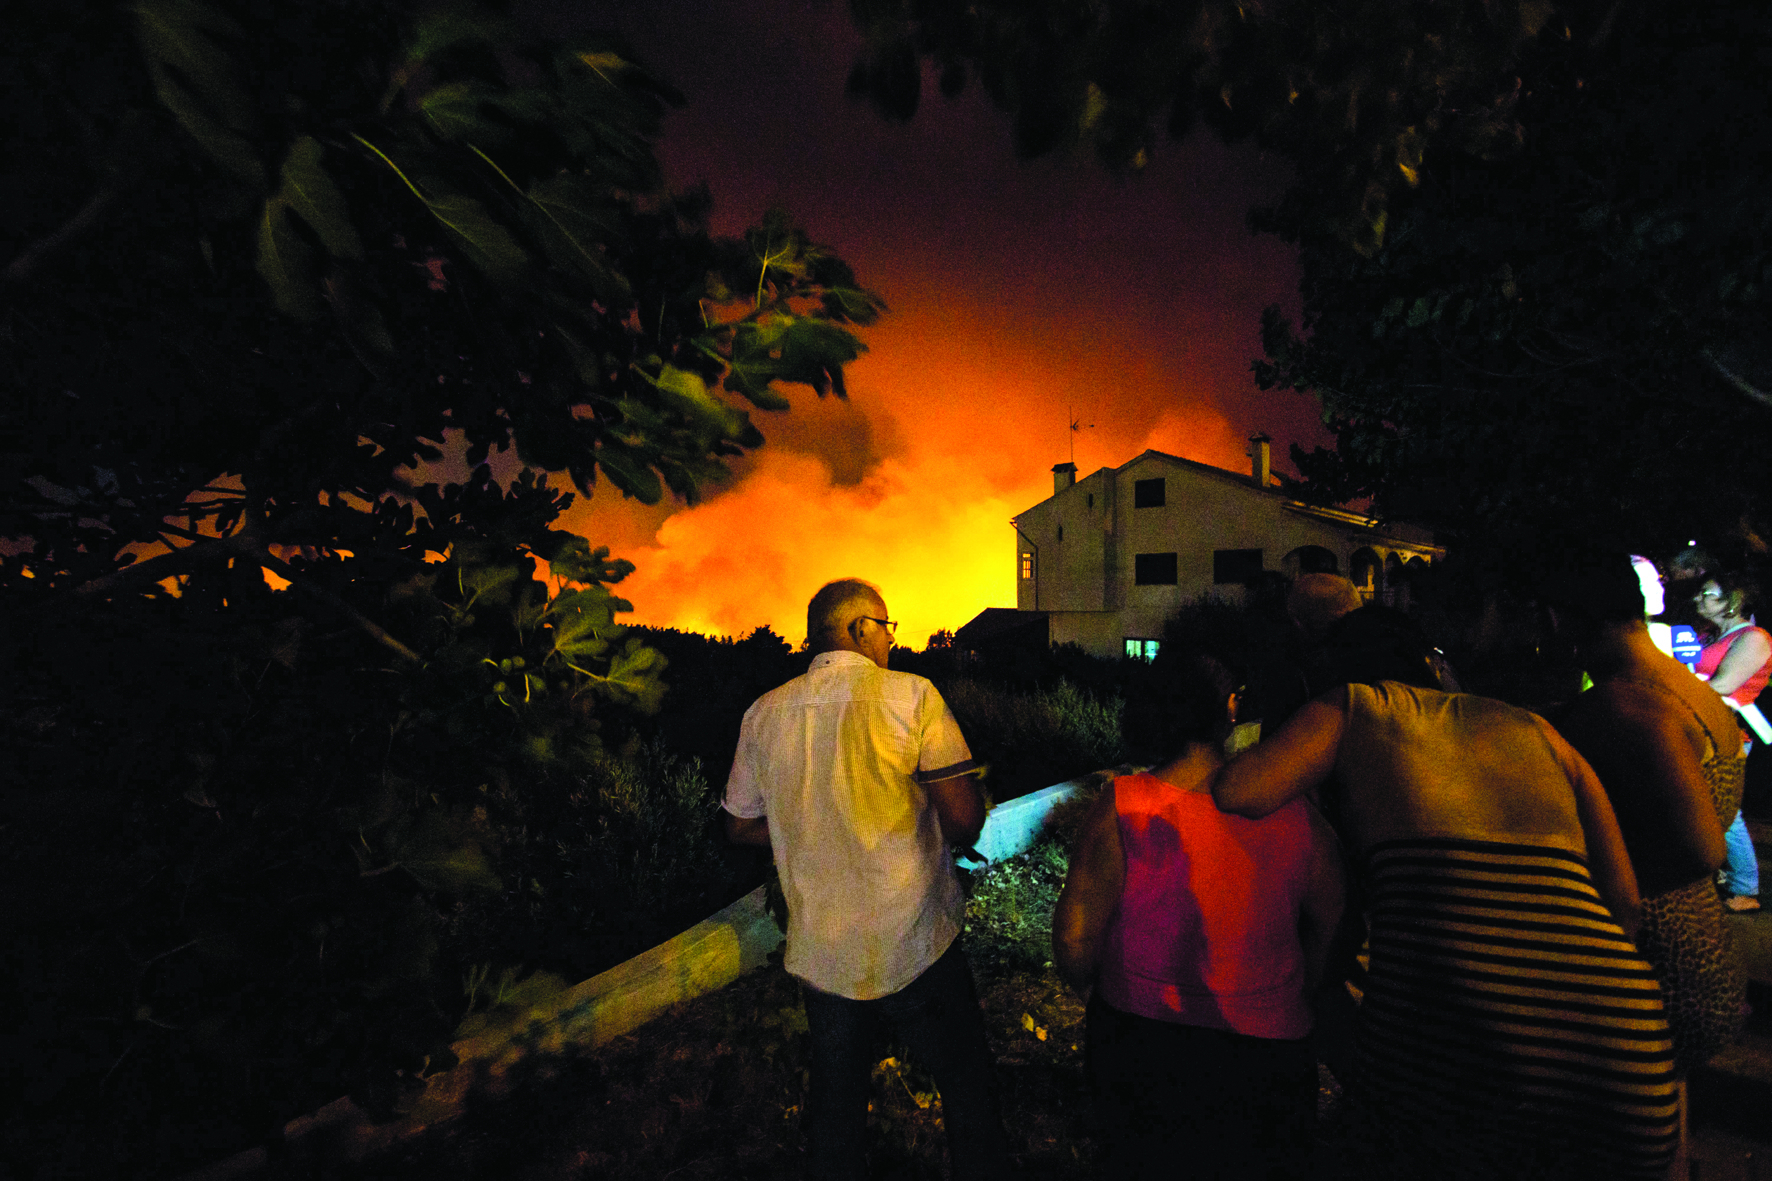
column 1033, row 739
column 1009, row 913
column 633, row 855
column 1009, row 904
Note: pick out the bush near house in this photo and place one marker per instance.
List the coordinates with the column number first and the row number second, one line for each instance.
column 1031, row 739
column 718, row 677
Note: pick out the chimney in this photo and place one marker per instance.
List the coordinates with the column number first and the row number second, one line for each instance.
column 1063, row 476
column 1259, row 460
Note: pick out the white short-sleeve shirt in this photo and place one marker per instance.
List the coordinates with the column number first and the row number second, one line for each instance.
column 836, row 760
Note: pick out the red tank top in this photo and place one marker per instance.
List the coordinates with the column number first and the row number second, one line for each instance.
column 1711, row 659
column 1207, row 928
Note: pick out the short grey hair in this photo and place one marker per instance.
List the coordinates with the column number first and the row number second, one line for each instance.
column 1316, row 601
column 833, row 607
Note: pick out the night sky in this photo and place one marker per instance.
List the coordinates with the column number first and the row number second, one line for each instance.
column 1015, row 290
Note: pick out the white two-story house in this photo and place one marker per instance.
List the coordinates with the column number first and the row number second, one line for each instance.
column 1109, row 558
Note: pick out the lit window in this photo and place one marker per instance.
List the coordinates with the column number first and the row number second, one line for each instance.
column 1142, row 649
column 1027, row 565
column 1153, row 569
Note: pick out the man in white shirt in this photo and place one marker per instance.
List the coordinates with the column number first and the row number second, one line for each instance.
column 859, row 780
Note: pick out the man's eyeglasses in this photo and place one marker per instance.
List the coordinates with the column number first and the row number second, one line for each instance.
column 891, row 625
column 1709, row 594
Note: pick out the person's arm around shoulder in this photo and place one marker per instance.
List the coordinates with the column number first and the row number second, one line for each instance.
column 1299, row 756
column 1325, row 895
column 1607, row 859
column 1091, row 894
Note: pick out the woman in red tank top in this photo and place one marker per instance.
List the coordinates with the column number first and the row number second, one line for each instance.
column 1736, row 662
column 1202, row 935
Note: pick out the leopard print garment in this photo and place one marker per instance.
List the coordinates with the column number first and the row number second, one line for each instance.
column 1684, row 938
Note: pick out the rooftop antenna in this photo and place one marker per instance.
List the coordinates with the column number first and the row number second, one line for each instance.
column 1078, row 426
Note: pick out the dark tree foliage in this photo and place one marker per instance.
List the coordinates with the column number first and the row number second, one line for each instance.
column 729, row 674
column 263, row 264
column 1534, row 234
column 1352, row 92
column 1569, row 343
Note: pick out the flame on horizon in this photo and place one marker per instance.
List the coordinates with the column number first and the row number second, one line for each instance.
column 928, row 523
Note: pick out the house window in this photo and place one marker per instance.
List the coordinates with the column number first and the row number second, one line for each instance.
column 1235, row 565
column 1061, row 533
column 1148, row 493
column 1091, row 499
column 1027, row 566
column 1154, row 569
column 1142, row 649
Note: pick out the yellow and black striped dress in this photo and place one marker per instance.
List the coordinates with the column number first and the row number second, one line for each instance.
column 1509, row 1027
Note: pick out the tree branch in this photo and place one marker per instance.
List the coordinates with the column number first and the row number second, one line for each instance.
column 20, row 270
column 1740, row 383
column 141, row 575
column 364, row 624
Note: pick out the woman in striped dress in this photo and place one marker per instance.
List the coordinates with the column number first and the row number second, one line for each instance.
column 1509, row 1026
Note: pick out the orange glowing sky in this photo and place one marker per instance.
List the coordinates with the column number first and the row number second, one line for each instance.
column 1017, row 290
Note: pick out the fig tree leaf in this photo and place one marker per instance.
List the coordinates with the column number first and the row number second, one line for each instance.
column 179, row 35
column 814, row 351
column 441, row 856
column 488, row 245
column 489, row 585
column 635, row 676
column 688, row 395
column 309, row 190
column 226, row 148
column 572, row 226
column 286, row 264
column 450, row 27
column 360, row 318
column 629, row 472
column 576, row 561
column 454, row 109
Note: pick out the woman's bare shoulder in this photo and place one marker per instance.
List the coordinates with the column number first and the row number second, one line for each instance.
column 1619, row 716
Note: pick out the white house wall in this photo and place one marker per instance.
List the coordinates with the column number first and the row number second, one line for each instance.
column 1084, row 576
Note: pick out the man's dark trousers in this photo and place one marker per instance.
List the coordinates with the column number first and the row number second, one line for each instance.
column 937, row 1017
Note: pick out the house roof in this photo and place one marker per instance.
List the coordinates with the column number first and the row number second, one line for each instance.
column 995, row 621
column 1244, row 481
column 1240, row 479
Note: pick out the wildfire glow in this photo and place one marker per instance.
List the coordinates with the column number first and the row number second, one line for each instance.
column 955, row 421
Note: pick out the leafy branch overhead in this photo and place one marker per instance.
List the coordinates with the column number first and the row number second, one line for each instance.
column 477, row 225
column 1353, row 93
column 467, row 246
column 1569, row 341
column 533, row 189
column 1534, row 234
column 359, row 294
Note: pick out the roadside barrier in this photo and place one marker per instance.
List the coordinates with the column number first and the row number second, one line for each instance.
column 708, row 956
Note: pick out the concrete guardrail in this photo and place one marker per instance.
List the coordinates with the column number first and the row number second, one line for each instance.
column 708, row 956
